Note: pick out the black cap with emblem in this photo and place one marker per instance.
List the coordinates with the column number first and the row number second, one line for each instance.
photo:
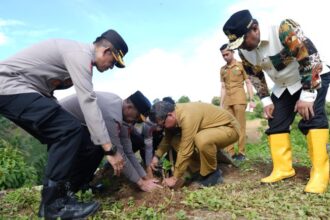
column 119, row 44
column 236, row 27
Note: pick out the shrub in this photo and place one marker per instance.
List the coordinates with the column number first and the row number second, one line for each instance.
column 14, row 172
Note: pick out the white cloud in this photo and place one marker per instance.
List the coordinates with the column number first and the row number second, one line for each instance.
column 195, row 73
column 8, row 22
column 35, row 33
column 5, row 23
column 159, row 73
column 3, row 39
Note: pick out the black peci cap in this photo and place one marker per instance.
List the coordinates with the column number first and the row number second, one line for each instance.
column 236, row 27
column 119, row 44
column 141, row 103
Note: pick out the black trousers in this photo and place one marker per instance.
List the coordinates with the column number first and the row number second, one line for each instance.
column 138, row 144
column 284, row 111
column 70, row 156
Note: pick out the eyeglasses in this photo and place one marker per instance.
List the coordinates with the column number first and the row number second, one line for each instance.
column 162, row 123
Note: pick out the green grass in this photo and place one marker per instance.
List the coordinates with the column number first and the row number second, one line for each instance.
column 22, row 203
column 252, row 200
column 245, row 198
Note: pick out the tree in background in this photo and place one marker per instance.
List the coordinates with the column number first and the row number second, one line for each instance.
column 183, row 99
column 216, row 100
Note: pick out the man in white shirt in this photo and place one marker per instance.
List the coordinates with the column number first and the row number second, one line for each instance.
column 301, row 82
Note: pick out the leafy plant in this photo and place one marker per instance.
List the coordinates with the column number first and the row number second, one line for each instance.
column 145, row 213
column 166, row 166
column 180, row 215
column 34, row 153
column 14, row 172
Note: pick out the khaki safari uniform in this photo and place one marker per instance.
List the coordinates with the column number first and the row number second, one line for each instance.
column 201, row 130
column 233, row 76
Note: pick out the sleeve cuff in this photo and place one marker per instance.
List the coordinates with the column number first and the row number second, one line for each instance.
column 307, row 96
column 158, row 154
column 266, row 101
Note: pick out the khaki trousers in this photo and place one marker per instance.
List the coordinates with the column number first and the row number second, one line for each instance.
column 207, row 143
column 238, row 111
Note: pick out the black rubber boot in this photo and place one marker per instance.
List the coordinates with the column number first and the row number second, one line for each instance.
column 58, row 202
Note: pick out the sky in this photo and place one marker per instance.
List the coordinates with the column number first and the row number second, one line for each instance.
column 173, row 44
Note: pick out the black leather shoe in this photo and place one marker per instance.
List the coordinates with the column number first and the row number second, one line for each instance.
column 212, row 179
column 240, row 157
column 64, row 206
column 69, row 209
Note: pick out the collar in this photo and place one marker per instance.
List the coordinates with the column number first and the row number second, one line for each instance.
column 235, row 63
column 178, row 112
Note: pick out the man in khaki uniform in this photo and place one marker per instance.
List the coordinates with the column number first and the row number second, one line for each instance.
column 196, row 131
column 233, row 97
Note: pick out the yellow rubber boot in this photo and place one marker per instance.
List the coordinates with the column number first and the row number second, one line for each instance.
column 319, row 177
column 280, row 148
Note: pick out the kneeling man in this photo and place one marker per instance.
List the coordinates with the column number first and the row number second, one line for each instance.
column 196, row 131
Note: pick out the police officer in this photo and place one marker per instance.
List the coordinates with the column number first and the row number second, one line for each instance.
column 27, row 82
column 118, row 115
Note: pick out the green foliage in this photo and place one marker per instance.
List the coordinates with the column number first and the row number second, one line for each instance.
column 85, row 196
column 117, row 210
column 166, row 164
column 33, row 151
column 258, row 110
column 14, row 172
column 145, row 213
column 327, row 109
column 183, row 99
column 249, row 200
column 180, row 215
column 23, row 198
column 216, row 100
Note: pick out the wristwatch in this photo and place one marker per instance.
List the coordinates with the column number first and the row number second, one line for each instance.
column 112, row 151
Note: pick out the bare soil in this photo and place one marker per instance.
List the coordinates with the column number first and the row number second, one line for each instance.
column 171, row 200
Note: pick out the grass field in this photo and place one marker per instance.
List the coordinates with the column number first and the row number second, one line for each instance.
column 241, row 196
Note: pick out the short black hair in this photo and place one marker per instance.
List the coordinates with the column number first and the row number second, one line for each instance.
column 168, row 99
column 225, row 47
